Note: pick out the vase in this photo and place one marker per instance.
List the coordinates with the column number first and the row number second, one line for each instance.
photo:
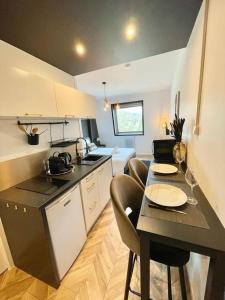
column 179, row 152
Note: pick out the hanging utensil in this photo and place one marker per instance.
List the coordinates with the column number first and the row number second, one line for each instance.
column 22, row 129
column 34, row 130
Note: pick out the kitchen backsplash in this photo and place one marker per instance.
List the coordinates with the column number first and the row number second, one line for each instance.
column 19, row 169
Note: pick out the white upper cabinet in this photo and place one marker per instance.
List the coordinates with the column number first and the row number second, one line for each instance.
column 26, row 94
column 65, row 99
column 87, row 104
column 72, row 103
column 13, row 93
column 41, row 97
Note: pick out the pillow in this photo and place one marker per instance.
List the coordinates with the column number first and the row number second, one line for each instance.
column 115, row 150
column 92, row 146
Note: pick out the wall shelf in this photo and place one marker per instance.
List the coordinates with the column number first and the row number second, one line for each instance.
column 62, row 143
column 42, row 123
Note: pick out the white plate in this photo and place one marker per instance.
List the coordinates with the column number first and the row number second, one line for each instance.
column 163, row 168
column 165, row 195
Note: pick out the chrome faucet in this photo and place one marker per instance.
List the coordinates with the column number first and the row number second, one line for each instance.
column 77, row 141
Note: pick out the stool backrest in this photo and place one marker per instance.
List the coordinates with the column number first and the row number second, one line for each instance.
column 138, row 171
column 126, row 192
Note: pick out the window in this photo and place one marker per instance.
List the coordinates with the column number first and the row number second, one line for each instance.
column 128, row 119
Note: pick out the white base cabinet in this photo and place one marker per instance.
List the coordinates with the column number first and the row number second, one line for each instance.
column 95, row 191
column 104, row 177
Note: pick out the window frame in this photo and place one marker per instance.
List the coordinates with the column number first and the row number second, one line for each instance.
column 114, row 118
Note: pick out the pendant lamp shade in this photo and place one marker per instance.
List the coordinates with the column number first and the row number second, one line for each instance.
column 106, row 100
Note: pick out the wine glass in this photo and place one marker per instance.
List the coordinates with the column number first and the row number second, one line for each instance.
column 180, row 153
column 191, row 181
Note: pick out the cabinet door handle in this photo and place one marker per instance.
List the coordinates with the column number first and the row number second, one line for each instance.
column 89, row 177
column 67, row 194
column 67, row 202
column 93, row 206
column 69, row 116
column 34, row 115
column 100, row 171
column 91, row 187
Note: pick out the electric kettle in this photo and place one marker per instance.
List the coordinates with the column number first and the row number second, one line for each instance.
column 67, row 157
column 56, row 164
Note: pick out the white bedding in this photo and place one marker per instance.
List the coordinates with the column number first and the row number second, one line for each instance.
column 120, row 157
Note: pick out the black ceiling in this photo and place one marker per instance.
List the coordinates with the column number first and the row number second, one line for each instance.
column 48, row 29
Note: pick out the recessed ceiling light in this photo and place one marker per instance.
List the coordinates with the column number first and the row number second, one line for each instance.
column 80, row 49
column 131, row 31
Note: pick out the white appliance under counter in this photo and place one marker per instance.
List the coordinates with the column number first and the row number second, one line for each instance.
column 67, row 228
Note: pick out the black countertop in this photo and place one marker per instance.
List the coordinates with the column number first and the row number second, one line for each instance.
column 36, row 200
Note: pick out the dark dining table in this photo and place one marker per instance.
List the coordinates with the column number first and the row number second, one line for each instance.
column 199, row 231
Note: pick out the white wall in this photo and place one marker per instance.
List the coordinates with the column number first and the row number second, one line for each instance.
column 206, row 151
column 156, row 110
column 15, row 141
column 12, row 56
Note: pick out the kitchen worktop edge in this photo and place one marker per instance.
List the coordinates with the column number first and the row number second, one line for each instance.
column 30, row 199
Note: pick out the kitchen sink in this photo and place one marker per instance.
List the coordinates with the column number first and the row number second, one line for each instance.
column 91, row 157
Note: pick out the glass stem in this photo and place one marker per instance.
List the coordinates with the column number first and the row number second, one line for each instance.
column 192, row 191
column 180, row 167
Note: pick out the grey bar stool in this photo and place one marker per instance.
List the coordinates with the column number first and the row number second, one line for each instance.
column 127, row 193
column 138, row 171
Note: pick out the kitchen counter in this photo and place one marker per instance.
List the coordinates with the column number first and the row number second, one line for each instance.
column 37, row 200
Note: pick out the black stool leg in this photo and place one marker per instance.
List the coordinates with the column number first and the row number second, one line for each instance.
column 129, row 275
column 169, row 283
column 182, row 283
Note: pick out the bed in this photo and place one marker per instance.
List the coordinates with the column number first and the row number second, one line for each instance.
column 120, row 157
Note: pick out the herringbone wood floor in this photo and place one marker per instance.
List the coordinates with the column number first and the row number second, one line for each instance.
column 98, row 273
